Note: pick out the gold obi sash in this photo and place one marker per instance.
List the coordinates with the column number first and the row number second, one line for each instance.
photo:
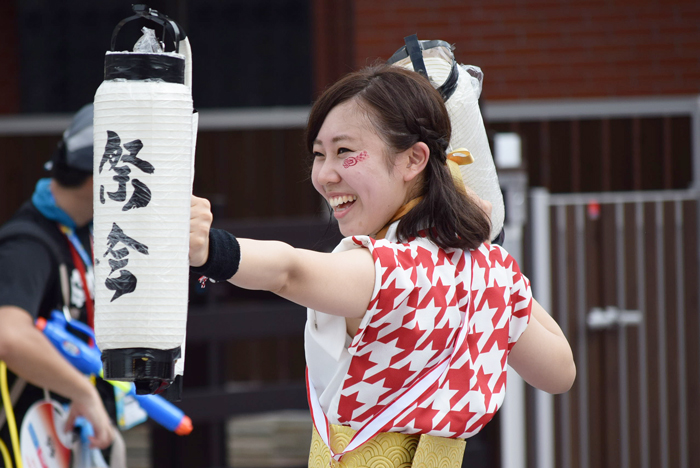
column 387, row 450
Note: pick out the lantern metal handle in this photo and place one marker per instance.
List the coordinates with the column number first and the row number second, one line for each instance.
column 169, row 26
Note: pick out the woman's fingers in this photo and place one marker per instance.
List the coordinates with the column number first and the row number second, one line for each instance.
column 200, row 223
column 485, row 205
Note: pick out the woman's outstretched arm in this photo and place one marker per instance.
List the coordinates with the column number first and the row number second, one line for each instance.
column 338, row 283
column 542, row 355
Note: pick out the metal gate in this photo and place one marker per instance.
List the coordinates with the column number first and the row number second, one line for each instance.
column 619, row 272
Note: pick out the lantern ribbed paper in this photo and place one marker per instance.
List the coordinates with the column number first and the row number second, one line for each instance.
column 468, row 131
column 144, row 144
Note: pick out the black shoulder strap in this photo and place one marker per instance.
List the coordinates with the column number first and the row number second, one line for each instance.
column 22, row 228
column 415, row 51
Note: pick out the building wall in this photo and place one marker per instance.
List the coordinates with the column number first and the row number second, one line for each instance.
column 9, row 60
column 533, row 49
column 529, row 49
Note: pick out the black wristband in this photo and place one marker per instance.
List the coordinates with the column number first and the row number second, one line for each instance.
column 224, row 256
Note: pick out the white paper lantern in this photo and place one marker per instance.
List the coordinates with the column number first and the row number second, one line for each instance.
column 144, row 139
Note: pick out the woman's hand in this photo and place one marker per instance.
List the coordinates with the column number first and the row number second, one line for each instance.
column 200, row 222
column 485, row 205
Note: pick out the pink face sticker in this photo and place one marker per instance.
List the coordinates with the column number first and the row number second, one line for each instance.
column 352, row 160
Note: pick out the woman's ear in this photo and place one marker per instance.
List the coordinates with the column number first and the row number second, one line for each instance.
column 416, row 159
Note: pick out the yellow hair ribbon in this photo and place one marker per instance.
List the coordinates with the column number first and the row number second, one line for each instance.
column 461, row 156
column 456, row 158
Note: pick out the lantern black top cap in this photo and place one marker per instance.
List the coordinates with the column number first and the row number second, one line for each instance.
column 169, row 26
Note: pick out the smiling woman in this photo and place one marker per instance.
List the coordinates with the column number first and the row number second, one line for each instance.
column 369, row 193
column 414, row 316
column 409, row 136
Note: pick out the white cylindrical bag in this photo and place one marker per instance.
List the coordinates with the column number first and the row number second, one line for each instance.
column 144, row 139
column 468, row 130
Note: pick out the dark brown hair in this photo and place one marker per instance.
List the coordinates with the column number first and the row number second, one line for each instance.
column 405, row 109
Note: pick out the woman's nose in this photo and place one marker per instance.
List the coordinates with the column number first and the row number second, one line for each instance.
column 328, row 173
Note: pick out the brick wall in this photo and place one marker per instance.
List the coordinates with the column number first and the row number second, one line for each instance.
column 9, row 60
column 533, row 49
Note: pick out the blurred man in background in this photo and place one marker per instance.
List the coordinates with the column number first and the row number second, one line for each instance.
column 55, row 222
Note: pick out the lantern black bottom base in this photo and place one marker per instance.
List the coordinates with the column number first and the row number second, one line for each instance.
column 151, row 370
column 174, row 392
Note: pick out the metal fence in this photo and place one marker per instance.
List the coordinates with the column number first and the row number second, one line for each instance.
column 624, row 288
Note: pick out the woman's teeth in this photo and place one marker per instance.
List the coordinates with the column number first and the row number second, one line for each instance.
column 336, row 202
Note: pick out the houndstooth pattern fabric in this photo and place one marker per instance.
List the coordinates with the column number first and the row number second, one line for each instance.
column 420, row 301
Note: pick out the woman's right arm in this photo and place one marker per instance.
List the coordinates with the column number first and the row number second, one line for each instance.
column 338, row 283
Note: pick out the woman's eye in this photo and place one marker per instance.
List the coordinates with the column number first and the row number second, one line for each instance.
column 317, row 154
column 343, row 150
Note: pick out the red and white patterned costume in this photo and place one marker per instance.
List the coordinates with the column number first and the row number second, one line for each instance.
column 421, row 297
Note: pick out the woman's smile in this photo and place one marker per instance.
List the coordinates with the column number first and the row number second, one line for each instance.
column 342, row 203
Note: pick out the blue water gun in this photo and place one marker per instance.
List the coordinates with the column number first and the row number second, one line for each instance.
column 87, row 360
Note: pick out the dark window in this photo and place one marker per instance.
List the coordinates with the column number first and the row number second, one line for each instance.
column 245, row 52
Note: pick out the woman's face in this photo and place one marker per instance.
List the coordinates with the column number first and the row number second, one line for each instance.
column 350, row 171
